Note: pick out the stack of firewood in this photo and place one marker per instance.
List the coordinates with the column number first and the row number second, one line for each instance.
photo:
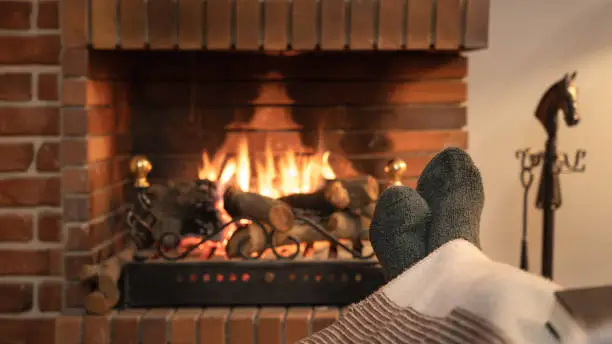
column 101, row 282
column 345, row 208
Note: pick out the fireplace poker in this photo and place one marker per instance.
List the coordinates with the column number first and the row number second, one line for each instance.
column 528, row 163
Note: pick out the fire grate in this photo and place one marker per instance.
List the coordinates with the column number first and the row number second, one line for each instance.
column 248, row 283
column 270, row 275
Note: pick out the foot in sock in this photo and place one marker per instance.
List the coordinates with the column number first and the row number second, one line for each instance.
column 452, row 187
column 398, row 232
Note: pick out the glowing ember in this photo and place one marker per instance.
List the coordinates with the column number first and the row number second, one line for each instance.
column 269, row 175
column 318, row 249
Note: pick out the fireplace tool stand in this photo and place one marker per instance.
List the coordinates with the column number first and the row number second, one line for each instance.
column 561, row 96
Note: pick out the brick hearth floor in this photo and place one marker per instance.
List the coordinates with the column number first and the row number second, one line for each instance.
column 196, row 326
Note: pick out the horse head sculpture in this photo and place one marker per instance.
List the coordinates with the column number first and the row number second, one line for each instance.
column 562, row 95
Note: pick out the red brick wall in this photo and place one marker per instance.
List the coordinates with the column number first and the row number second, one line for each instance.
column 95, row 147
column 31, row 237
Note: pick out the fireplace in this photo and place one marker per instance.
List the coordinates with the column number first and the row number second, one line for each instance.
column 294, row 148
column 341, row 86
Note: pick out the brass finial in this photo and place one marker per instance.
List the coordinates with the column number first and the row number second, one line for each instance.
column 394, row 170
column 140, row 167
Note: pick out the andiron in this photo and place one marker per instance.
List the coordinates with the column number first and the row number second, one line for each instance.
column 561, row 96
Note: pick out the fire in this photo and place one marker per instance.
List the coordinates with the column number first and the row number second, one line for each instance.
column 270, row 176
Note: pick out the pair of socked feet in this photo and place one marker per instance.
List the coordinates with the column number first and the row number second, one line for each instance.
column 447, row 204
column 480, row 302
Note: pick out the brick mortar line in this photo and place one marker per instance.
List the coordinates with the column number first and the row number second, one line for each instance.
column 30, row 69
column 30, row 279
column 29, row 139
column 32, row 168
column 27, row 210
column 34, row 16
column 29, row 246
column 30, row 104
column 30, row 32
column 28, row 175
column 30, row 315
column 34, row 86
column 35, row 242
column 35, row 299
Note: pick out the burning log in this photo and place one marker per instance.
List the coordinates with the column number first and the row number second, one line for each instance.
column 348, row 226
column 361, row 191
column 340, row 225
column 257, row 236
column 353, row 194
column 367, row 212
column 303, row 233
column 274, row 212
column 239, row 240
column 105, row 277
column 184, row 208
column 337, row 195
column 331, row 197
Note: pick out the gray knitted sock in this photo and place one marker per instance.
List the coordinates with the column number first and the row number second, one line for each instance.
column 398, row 232
column 452, row 186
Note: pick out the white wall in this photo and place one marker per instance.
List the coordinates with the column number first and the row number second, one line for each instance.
column 532, row 44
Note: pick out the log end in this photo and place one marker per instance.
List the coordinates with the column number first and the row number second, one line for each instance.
column 96, row 303
column 234, row 245
column 281, row 217
column 89, row 272
column 372, row 188
column 257, row 236
column 337, row 221
column 337, row 195
column 109, row 289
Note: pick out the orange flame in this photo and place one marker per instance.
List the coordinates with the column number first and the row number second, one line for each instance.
column 273, row 176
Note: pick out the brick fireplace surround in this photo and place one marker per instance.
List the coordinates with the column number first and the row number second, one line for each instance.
column 71, row 117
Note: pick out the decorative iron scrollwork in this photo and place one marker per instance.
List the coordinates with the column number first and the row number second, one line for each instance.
column 141, row 220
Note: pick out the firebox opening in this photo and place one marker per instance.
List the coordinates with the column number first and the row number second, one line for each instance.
column 275, row 125
column 264, row 165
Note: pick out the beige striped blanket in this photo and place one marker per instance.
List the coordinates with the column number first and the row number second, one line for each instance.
column 456, row 295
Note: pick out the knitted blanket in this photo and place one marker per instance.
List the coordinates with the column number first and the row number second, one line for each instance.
column 454, row 295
